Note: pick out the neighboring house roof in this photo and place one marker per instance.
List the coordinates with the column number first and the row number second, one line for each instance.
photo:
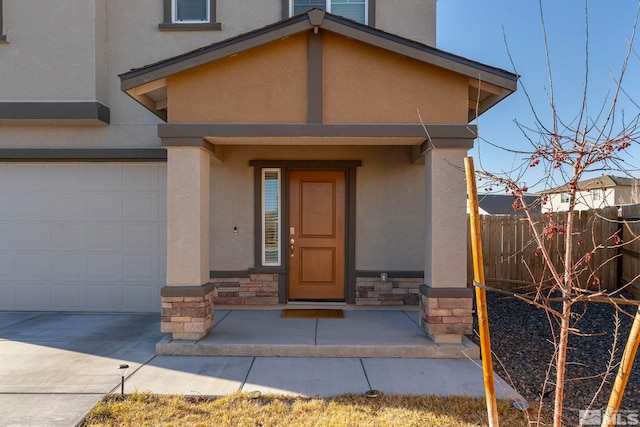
column 488, row 85
column 604, row 181
column 502, row 204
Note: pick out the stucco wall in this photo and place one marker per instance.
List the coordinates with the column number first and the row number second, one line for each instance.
column 264, row 84
column 361, row 84
column 365, row 84
column 413, row 19
column 51, row 54
column 584, row 201
column 75, row 49
column 390, row 193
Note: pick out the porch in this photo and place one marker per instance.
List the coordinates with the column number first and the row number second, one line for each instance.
column 362, row 333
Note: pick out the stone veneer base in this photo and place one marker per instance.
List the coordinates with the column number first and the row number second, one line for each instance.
column 446, row 313
column 263, row 289
column 187, row 311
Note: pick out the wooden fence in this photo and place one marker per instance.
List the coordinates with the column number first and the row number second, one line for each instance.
column 512, row 257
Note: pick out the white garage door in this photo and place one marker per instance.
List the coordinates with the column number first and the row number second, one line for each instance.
column 82, row 236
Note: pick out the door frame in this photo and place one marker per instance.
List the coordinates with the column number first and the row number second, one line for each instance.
column 349, row 168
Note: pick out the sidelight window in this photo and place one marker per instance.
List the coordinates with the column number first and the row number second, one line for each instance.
column 271, row 217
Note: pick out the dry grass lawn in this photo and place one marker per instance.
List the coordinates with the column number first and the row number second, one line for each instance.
column 145, row 409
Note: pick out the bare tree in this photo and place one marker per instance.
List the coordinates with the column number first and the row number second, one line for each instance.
column 566, row 149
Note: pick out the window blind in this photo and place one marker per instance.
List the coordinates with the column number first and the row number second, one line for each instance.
column 271, row 216
column 191, row 10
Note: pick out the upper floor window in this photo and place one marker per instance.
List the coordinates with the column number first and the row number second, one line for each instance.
column 564, row 198
column 357, row 10
column 597, row 194
column 3, row 37
column 190, row 15
column 190, row 11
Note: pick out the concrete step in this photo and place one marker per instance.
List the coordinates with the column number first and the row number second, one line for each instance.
column 366, row 334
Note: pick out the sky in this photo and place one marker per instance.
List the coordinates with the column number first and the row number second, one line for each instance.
column 481, row 30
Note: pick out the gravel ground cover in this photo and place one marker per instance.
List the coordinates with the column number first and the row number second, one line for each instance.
column 522, row 343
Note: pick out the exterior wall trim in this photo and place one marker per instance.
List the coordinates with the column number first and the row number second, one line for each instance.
column 83, row 154
column 315, row 97
column 457, row 136
column 224, row 274
column 430, row 292
column 403, row 274
column 53, row 110
column 189, row 142
column 186, row 291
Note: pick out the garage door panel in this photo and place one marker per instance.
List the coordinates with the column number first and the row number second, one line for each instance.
column 30, row 236
column 104, row 267
column 68, row 297
column 79, row 236
column 30, row 296
column 32, row 266
column 31, row 205
column 68, row 237
column 139, row 206
column 140, row 296
column 103, row 297
column 66, row 176
column 104, row 236
column 140, row 237
column 138, row 268
column 140, row 179
column 104, row 206
column 6, row 205
column 7, row 297
column 23, row 176
column 69, row 266
column 67, row 206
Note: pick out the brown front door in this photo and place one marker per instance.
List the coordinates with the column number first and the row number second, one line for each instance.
column 317, row 235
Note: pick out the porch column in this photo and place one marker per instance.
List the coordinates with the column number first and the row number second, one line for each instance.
column 445, row 300
column 187, row 300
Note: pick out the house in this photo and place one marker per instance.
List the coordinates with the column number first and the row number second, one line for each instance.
column 502, row 204
column 176, row 155
column 595, row 193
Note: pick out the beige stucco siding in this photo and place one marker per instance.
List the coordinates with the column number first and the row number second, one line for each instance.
column 52, row 50
column 389, row 204
column 413, row 19
column 267, row 84
column 364, row 84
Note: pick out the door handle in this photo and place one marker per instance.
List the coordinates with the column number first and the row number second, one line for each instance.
column 291, row 243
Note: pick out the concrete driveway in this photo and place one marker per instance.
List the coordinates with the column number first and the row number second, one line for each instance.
column 54, row 367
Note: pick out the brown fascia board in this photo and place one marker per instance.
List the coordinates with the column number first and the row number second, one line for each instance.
column 333, row 23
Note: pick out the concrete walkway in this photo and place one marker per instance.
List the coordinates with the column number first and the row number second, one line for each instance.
column 56, row 366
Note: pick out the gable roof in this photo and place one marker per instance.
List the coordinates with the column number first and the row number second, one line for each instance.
column 502, row 204
column 604, row 181
column 487, row 85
